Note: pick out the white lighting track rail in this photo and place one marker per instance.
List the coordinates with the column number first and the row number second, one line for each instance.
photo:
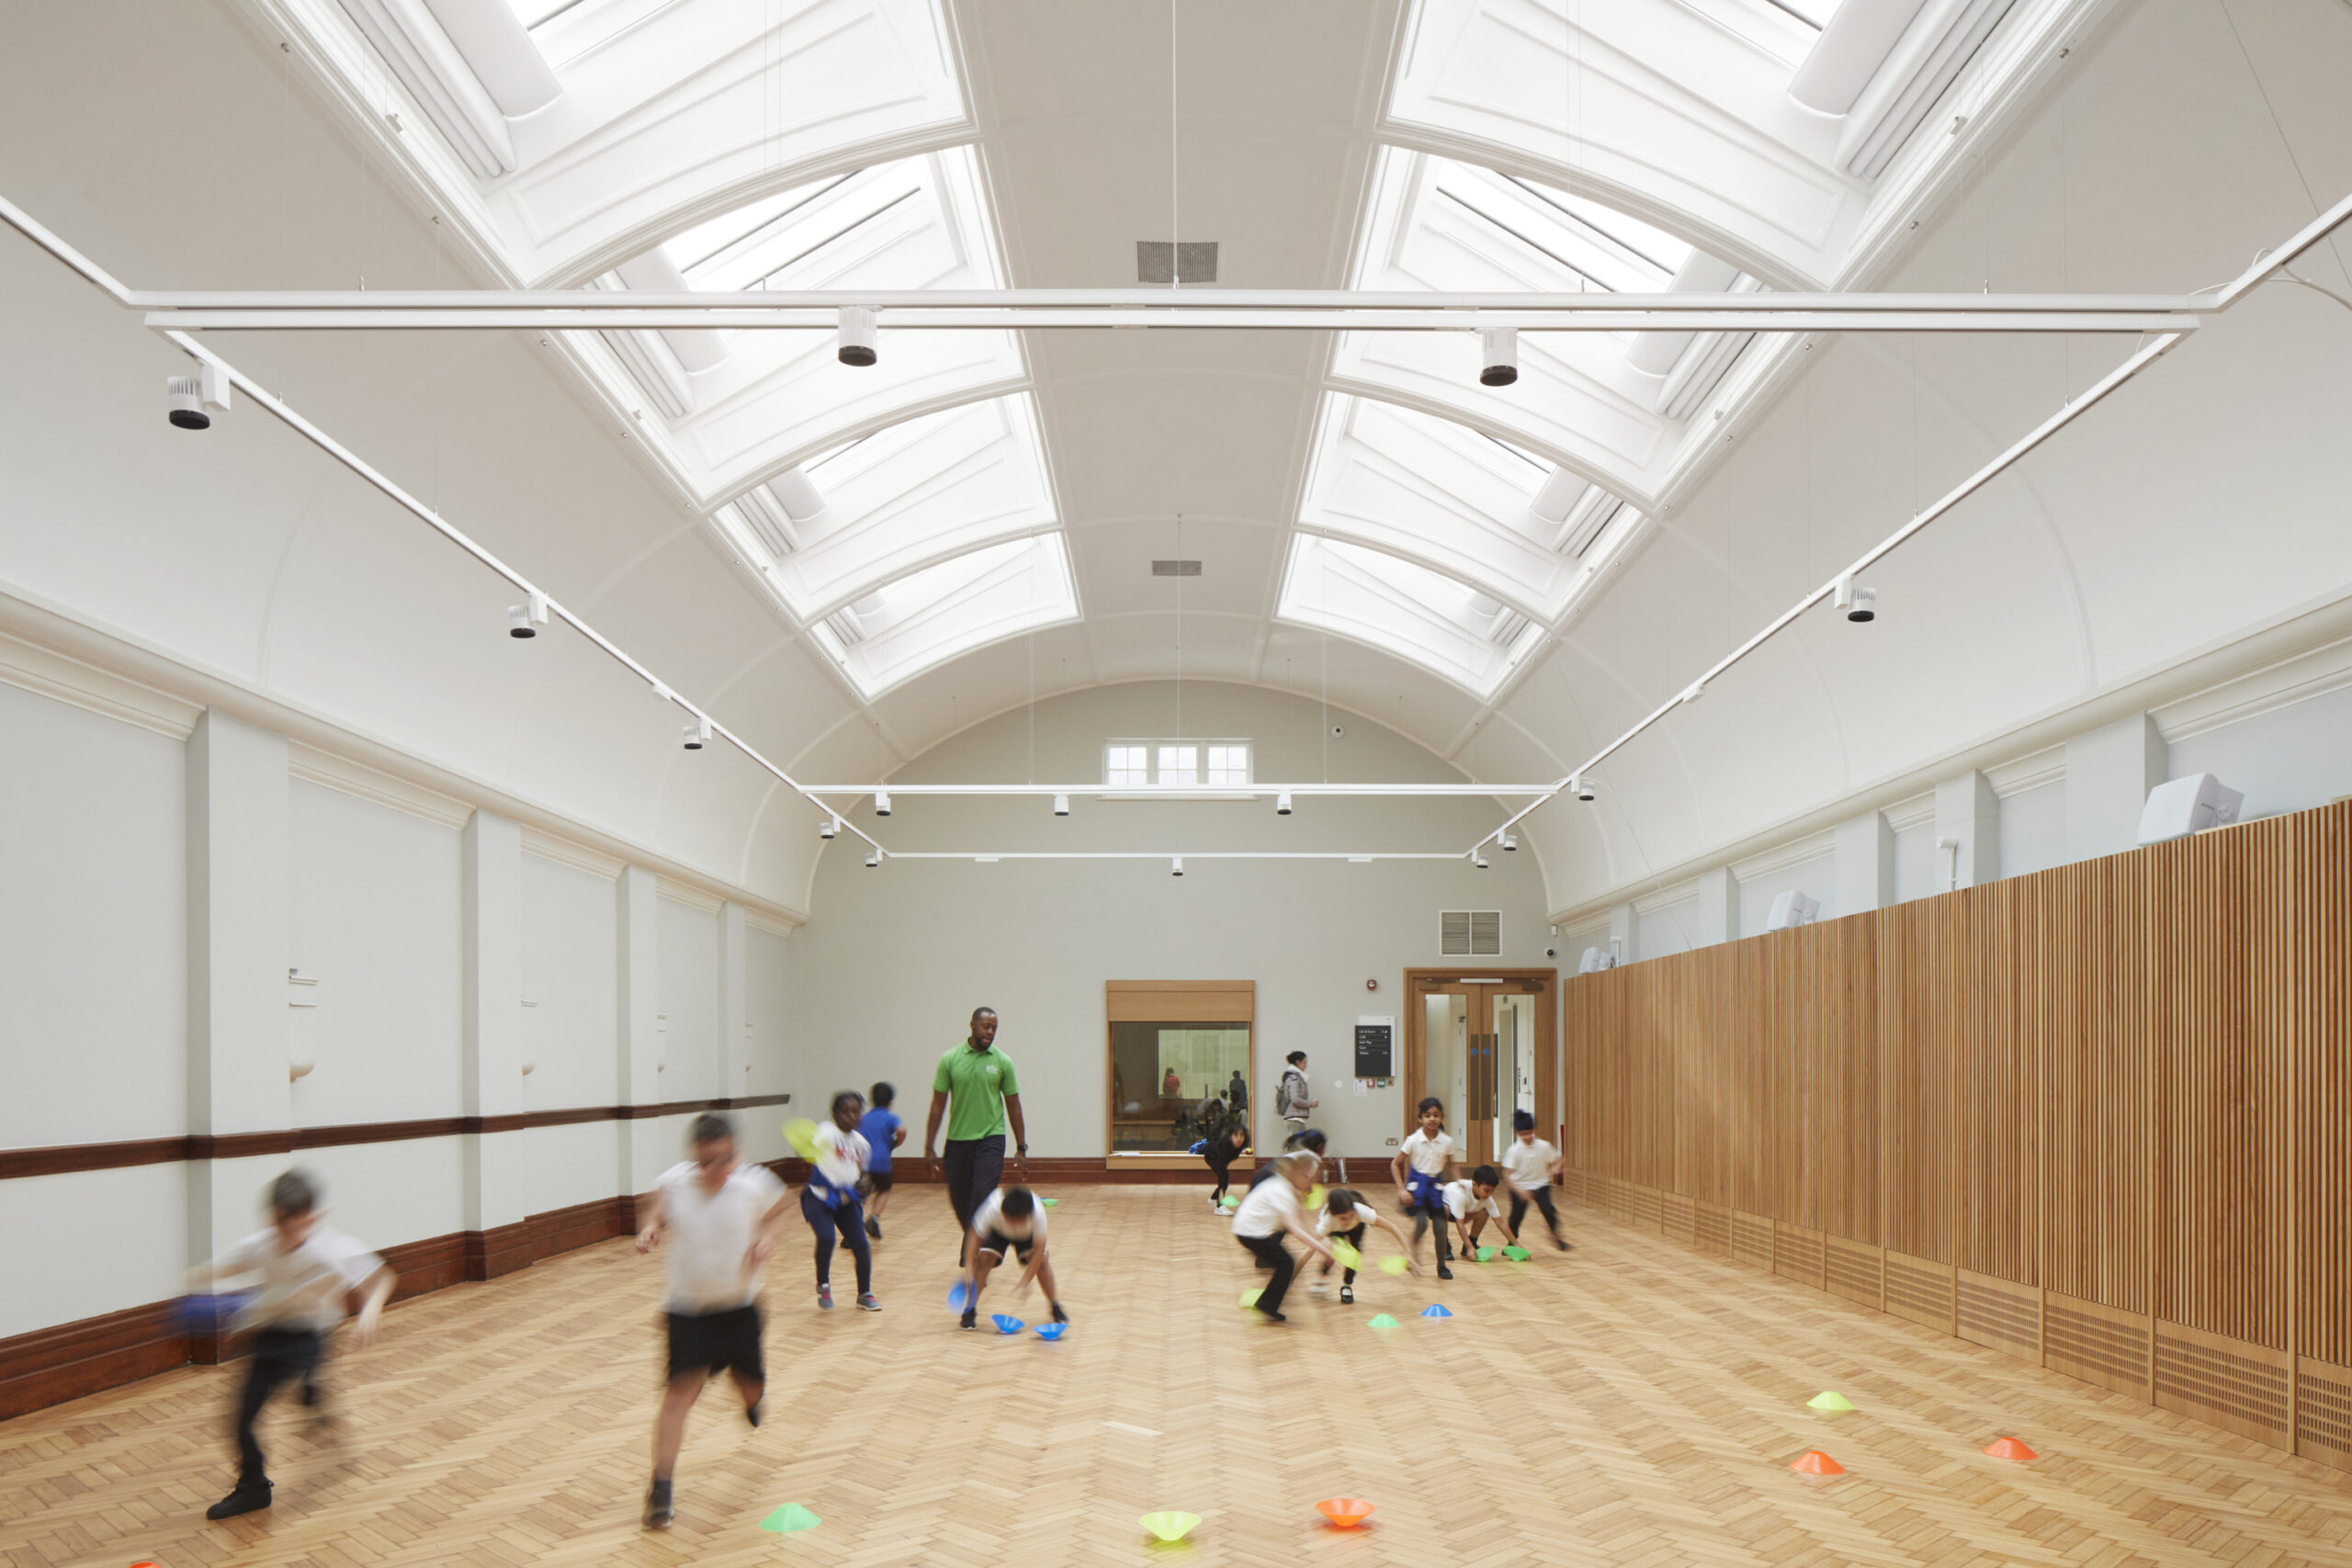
column 2166, row 319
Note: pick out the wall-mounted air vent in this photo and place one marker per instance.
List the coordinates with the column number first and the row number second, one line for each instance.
column 1470, row 933
column 1196, row 261
column 1175, row 569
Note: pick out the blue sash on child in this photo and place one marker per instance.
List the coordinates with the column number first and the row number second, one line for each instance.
column 831, row 1196
column 1424, row 1190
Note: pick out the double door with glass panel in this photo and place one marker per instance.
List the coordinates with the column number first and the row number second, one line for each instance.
column 1485, row 1045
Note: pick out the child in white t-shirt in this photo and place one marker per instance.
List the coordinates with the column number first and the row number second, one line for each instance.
column 1420, row 1168
column 1347, row 1217
column 1271, row 1212
column 721, row 1219
column 305, row 1275
column 1010, row 1220
column 1470, row 1203
column 1529, row 1165
column 831, row 1202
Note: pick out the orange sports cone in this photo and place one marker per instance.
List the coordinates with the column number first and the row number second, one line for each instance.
column 2009, row 1447
column 1815, row 1462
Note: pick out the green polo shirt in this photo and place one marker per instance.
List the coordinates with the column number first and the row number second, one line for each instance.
column 975, row 1083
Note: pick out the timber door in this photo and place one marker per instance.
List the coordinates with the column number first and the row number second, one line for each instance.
column 1487, row 1044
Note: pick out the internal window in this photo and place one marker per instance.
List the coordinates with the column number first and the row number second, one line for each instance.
column 1126, row 766
column 1176, row 764
column 1228, row 766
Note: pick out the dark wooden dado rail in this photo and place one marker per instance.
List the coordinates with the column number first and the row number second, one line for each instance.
column 64, row 1157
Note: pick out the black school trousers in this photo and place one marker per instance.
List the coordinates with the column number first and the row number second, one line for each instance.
column 279, row 1356
column 1271, row 1253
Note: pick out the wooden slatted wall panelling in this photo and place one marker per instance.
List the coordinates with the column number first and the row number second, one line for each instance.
column 2321, row 1135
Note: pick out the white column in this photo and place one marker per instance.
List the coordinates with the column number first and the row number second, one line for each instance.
column 1718, row 906
column 1968, row 815
column 2109, row 772
column 239, row 886
column 734, row 1015
column 1865, row 864
column 1624, row 927
column 491, row 1022
column 639, row 1059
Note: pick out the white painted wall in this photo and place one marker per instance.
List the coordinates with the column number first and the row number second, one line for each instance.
column 2033, row 829
column 688, row 937
column 886, row 980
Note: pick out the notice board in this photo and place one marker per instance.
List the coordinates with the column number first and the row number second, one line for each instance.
column 1375, row 1048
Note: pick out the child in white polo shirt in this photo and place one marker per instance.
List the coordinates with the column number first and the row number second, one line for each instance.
column 1529, row 1165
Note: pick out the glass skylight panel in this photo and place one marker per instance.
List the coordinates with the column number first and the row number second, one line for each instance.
column 1813, row 12
column 531, row 13
column 1442, row 493
column 927, row 617
column 1424, row 616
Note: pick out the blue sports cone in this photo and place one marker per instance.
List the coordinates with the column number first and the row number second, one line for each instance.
column 1435, row 1309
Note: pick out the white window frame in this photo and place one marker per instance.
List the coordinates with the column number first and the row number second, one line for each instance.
column 1166, row 755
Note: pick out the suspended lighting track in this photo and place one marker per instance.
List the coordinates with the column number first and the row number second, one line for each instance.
column 2168, row 318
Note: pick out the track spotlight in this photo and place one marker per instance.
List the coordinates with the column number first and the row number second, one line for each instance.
column 1497, row 355
column 525, row 620
column 1479, row 860
column 1694, row 691
column 857, row 337
column 1509, row 841
column 1176, row 867
column 873, row 858
column 1282, row 803
column 1860, row 604
column 698, row 735
column 881, row 803
column 1061, row 805
column 828, row 827
column 1581, row 787
column 190, row 402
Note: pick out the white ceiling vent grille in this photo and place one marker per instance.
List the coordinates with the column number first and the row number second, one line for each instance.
column 1195, row 260
column 1175, row 569
column 1470, row 933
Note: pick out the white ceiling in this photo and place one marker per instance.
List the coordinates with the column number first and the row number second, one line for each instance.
column 2146, row 155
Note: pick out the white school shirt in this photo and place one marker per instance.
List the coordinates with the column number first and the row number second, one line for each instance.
column 1460, row 1201
column 1362, row 1214
column 991, row 1216
column 842, row 1157
column 710, row 1234
column 1427, row 1155
column 1529, row 1164
column 303, row 1288
column 1269, row 1203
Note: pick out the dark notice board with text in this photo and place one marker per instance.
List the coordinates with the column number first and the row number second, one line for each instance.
column 1376, row 1050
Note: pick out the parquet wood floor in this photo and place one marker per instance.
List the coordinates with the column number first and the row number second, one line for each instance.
column 1630, row 1403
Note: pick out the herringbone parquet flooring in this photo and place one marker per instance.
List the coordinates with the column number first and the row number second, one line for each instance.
column 1628, row 1403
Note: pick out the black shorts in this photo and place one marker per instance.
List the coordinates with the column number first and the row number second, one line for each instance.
column 996, row 1244
column 717, row 1342
column 878, row 1181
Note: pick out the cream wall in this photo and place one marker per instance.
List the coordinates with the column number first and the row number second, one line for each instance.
column 887, row 977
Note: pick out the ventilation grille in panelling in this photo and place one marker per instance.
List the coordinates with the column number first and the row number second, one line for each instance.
column 2234, row 1385
column 2324, row 1413
column 1751, row 1240
column 1853, row 1270
column 1196, row 261
column 1470, row 933
column 1711, row 1230
column 1919, row 1291
column 1796, row 1253
column 2001, row 1316
column 2097, row 1344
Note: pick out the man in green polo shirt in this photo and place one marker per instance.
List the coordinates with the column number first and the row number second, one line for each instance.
column 984, row 1089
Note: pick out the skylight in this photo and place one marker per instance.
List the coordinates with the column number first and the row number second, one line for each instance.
column 1401, row 607
column 908, row 496
column 930, row 616
column 1454, row 499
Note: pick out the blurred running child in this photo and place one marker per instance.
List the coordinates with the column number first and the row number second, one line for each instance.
column 721, row 1219
column 1308, row 1138
column 306, row 1275
column 1010, row 1220
column 1347, row 1217
column 1419, row 1169
column 1271, row 1211
column 1529, row 1165
column 828, row 1202
column 883, row 1132
column 1224, row 1147
column 1470, row 1203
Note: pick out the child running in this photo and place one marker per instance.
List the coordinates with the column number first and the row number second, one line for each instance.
column 1271, row 1211
column 721, row 1219
column 1346, row 1217
column 1420, row 1168
column 1308, row 1138
column 1529, row 1164
column 828, row 1202
column 306, row 1275
column 1224, row 1147
column 883, row 1132
column 1470, row 1203
column 1010, row 1220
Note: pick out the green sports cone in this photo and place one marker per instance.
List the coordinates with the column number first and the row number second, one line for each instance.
column 1382, row 1321
column 1829, row 1399
column 790, row 1517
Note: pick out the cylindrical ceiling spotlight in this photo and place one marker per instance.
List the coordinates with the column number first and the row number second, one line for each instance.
column 1282, row 803
column 881, row 803
column 1860, row 604
column 1497, row 355
column 1509, row 841
column 873, row 858
column 857, row 335
column 828, row 827
column 698, row 735
column 1061, row 805
column 1176, row 867
column 1479, row 860
column 525, row 620
column 1581, row 787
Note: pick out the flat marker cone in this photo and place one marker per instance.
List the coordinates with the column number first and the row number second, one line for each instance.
column 1382, row 1321
column 1435, row 1309
column 1815, row 1462
column 790, row 1518
column 1830, row 1399
column 2009, row 1447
